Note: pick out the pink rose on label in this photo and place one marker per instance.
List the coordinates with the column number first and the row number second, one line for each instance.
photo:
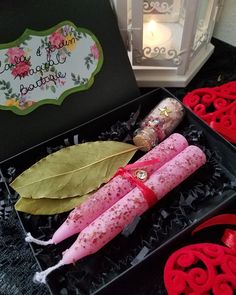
column 56, row 38
column 94, row 51
column 14, row 54
column 21, row 70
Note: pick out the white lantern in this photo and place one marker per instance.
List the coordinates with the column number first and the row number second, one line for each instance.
column 167, row 41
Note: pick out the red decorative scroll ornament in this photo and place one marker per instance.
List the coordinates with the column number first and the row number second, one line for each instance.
column 204, row 269
column 217, row 107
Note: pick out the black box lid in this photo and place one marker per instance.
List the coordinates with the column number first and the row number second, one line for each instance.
column 114, row 85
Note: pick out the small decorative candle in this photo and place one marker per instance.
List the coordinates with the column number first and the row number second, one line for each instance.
column 159, row 123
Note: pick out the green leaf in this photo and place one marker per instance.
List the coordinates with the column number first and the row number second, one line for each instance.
column 73, row 171
column 48, row 206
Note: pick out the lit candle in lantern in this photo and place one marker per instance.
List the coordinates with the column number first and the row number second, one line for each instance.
column 156, row 35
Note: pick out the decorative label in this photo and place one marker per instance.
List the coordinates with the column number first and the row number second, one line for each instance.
column 44, row 67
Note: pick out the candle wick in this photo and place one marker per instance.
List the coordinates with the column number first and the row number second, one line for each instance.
column 31, row 239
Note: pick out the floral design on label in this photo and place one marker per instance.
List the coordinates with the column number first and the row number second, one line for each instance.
column 45, row 67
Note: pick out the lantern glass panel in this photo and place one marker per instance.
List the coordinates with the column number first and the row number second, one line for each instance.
column 163, row 23
column 129, row 13
column 203, row 17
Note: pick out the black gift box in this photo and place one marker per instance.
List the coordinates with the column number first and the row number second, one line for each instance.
column 131, row 262
column 118, row 267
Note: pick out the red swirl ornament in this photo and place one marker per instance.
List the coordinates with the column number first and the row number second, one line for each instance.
column 217, row 107
column 204, row 269
column 201, row 269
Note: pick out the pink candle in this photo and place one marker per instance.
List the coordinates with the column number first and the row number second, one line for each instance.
column 116, row 189
column 113, row 191
column 116, row 218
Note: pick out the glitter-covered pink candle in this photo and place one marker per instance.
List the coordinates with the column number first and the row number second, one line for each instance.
column 114, row 190
column 116, row 218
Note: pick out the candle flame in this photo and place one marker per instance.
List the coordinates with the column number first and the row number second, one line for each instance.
column 152, row 26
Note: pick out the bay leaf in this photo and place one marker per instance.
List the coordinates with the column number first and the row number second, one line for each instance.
column 48, row 206
column 73, row 171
